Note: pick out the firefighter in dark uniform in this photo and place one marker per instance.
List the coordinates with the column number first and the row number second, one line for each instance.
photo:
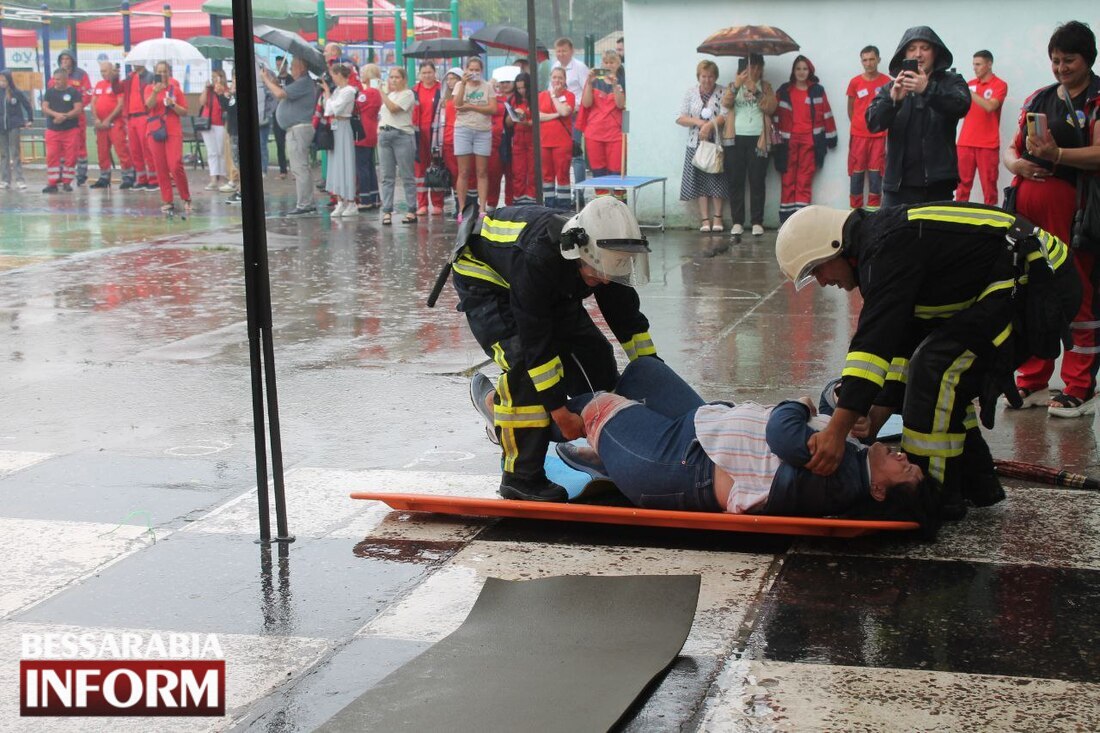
column 522, row 280
column 955, row 297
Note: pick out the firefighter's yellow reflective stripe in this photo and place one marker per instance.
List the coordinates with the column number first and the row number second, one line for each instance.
column 640, row 345
column 1056, row 249
column 547, row 375
column 948, row 310
column 939, row 445
column 1000, row 338
column 509, row 449
column 471, row 266
column 971, row 420
column 498, row 356
column 866, row 366
column 534, row 416
column 505, row 232
column 899, row 370
column 940, row 311
column 962, row 215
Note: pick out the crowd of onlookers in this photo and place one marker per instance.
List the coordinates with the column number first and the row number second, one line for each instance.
column 907, row 147
column 453, row 135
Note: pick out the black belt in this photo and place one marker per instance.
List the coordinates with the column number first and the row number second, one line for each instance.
column 386, row 128
column 137, row 114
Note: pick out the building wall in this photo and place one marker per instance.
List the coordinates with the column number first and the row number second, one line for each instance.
column 661, row 38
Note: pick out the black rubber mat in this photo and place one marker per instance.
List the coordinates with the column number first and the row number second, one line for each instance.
column 568, row 653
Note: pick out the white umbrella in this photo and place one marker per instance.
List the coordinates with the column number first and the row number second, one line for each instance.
column 172, row 50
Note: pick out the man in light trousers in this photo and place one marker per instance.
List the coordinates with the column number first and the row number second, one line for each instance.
column 295, row 115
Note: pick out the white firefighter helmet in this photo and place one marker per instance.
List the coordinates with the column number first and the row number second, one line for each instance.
column 606, row 236
column 811, row 236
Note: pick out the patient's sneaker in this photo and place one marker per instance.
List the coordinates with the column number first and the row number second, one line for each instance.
column 581, row 458
column 525, row 489
column 480, row 389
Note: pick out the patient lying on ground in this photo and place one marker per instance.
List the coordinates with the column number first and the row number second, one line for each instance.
column 665, row 448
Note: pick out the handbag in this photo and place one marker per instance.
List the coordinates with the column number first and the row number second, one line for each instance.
column 437, row 176
column 357, row 131
column 203, row 123
column 323, row 137
column 157, row 128
column 708, row 157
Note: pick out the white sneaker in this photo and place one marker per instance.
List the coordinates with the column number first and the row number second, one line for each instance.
column 338, row 210
column 228, row 188
column 350, row 209
column 757, row 230
column 737, row 230
column 212, row 186
column 22, row 186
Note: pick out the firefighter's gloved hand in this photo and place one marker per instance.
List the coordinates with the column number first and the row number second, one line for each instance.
column 992, row 387
column 569, row 423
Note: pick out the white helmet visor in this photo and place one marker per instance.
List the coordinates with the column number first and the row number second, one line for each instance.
column 806, row 276
column 623, row 261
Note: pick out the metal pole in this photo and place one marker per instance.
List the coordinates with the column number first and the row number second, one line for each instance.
column 456, row 29
column 322, row 32
column 72, row 31
column 167, row 20
column 257, row 280
column 398, row 40
column 370, row 31
column 216, row 31
column 46, row 40
column 125, row 25
column 533, row 97
column 3, row 55
column 410, row 34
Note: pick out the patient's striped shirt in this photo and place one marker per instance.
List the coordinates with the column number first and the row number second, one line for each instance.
column 734, row 438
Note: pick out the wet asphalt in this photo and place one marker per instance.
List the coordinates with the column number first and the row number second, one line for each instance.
column 126, row 404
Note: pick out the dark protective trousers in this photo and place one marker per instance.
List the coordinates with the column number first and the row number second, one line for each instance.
column 523, row 426
column 946, row 374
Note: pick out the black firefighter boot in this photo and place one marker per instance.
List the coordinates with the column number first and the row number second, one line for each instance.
column 980, row 485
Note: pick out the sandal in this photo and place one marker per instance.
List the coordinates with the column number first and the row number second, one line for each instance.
column 706, row 226
column 1066, row 405
column 1032, row 398
column 168, row 209
column 387, row 219
column 717, row 226
column 409, row 219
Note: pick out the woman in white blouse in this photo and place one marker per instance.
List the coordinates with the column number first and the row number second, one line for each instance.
column 339, row 105
column 396, row 144
column 701, row 106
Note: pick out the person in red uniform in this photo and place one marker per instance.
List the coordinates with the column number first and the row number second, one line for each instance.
column 499, row 164
column 806, row 124
column 141, row 155
column 78, row 78
column 523, row 148
column 604, row 98
column 62, row 106
column 445, row 128
column 167, row 104
column 866, row 149
column 979, row 141
column 1048, row 170
column 110, row 127
column 556, row 106
column 367, row 104
column 429, row 93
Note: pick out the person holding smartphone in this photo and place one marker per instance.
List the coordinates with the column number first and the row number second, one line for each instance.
column 746, row 130
column 604, row 100
column 920, row 112
column 1049, row 166
column 167, row 104
column 475, row 105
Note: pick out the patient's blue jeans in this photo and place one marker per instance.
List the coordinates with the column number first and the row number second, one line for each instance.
column 650, row 450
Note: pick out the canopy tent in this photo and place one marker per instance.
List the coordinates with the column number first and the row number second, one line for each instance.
column 20, row 38
column 354, row 20
column 187, row 22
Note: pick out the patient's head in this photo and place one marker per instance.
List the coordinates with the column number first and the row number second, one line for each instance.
column 891, row 469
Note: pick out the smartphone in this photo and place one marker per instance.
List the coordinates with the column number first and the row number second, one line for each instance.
column 910, row 65
column 160, row 78
column 742, row 64
column 475, row 76
column 1036, row 124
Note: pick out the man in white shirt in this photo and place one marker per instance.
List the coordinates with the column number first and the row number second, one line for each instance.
column 576, row 74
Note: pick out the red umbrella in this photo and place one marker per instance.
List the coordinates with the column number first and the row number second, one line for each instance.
column 743, row 40
column 1036, row 472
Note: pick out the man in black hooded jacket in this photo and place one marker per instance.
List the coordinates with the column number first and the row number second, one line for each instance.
column 920, row 110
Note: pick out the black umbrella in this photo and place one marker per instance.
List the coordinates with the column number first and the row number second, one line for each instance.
column 508, row 38
column 440, row 48
column 295, row 45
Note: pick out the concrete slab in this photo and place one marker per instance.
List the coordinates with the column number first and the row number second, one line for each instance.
column 758, row 696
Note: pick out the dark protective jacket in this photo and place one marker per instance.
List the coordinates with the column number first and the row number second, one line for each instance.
column 517, row 251
column 943, row 104
column 919, row 266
